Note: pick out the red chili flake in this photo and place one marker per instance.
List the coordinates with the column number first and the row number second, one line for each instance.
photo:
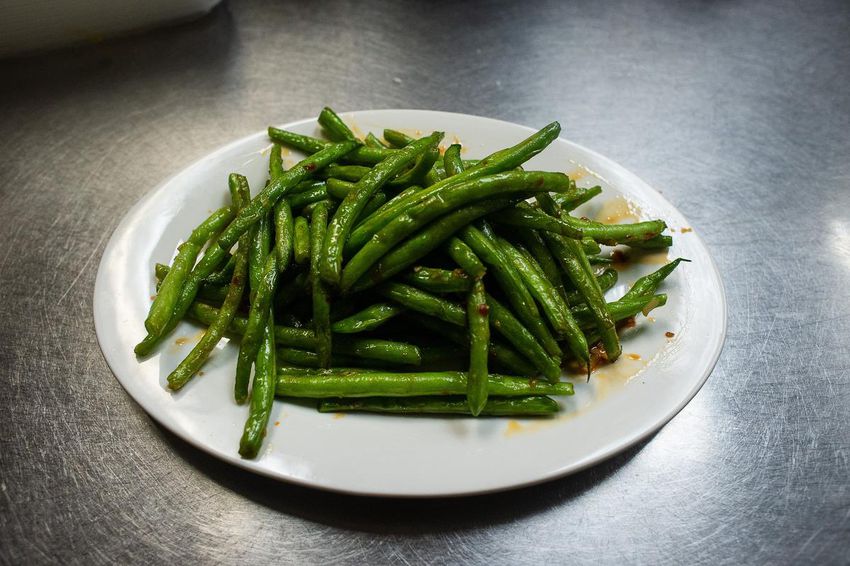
column 669, row 334
column 310, row 167
column 483, row 309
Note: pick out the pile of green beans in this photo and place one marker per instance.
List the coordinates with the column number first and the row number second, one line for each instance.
column 389, row 275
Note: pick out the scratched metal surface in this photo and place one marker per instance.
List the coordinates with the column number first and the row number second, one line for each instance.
column 739, row 112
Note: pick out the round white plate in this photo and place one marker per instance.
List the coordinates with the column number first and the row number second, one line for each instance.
column 414, row 456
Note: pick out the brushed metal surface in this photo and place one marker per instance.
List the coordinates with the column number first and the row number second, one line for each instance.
column 739, row 112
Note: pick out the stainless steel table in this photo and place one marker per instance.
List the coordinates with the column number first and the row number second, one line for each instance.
column 739, row 112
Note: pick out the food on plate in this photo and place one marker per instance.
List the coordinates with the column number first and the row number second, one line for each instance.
column 390, row 275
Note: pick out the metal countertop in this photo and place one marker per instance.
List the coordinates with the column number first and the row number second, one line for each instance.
column 739, row 112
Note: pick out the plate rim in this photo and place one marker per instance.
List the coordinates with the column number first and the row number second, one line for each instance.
column 599, row 455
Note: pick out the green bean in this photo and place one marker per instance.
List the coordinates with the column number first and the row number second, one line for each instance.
column 257, row 338
column 169, row 291
column 222, row 275
column 397, row 139
column 319, row 191
column 435, row 175
column 659, row 242
column 613, row 234
column 477, row 313
column 402, row 194
column 343, row 309
column 527, row 217
column 338, row 188
column 321, row 300
column 426, row 303
column 192, row 363
column 437, row 280
column 410, row 251
column 486, row 248
column 575, row 264
column 377, row 201
column 338, row 371
column 330, row 204
column 505, row 323
column 621, row 309
column 553, row 305
column 451, row 160
column 284, row 234
column 463, row 255
column 532, row 405
column 590, row 246
column 301, row 240
column 606, row 280
column 452, row 165
column 498, row 162
column 306, row 186
column 207, row 291
column 438, row 172
column 384, row 350
column 375, row 384
column 275, row 161
column 416, row 174
column 541, row 254
column 334, row 127
column 257, row 344
column 572, row 201
column 502, row 184
column 351, row 173
column 283, row 335
column 309, row 145
column 262, row 399
column 369, row 318
column 278, row 187
column 209, row 262
column 304, row 339
column 373, row 141
column 353, row 204
column 262, row 394
column 648, row 284
column 257, row 254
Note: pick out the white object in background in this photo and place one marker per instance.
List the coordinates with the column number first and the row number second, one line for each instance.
column 30, row 25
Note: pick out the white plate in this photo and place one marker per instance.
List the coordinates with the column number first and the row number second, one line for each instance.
column 411, row 456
